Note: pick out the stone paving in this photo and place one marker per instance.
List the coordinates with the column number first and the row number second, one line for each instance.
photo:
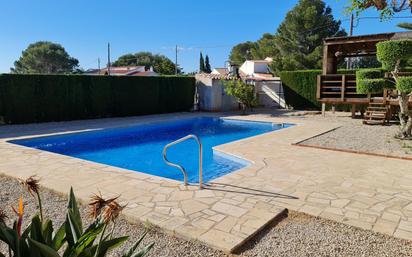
column 364, row 191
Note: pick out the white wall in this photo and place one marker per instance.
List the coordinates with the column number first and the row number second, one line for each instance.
column 251, row 67
column 212, row 96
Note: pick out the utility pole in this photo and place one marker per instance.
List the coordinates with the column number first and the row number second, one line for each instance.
column 349, row 63
column 351, row 25
column 176, row 60
column 108, row 59
column 98, row 63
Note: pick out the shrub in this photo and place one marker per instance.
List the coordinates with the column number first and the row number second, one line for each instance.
column 369, row 74
column 43, row 98
column 390, row 52
column 40, row 239
column 404, row 84
column 371, row 86
column 300, row 88
column 243, row 92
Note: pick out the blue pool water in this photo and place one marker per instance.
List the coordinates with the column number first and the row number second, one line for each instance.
column 139, row 148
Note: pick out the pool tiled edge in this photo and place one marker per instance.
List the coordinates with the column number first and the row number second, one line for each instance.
column 340, row 186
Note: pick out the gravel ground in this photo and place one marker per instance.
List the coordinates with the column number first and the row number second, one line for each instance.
column 296, row 235
column 353, row 135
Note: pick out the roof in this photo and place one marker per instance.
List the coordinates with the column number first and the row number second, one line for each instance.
column 367, row 38
column 216, row 76
column 260, row 61
column 222, row 71
column 256, row 77
column 120, row 70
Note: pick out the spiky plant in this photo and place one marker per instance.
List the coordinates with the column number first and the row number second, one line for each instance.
column 71, row 239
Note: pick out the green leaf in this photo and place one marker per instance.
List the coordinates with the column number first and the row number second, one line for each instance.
column 73, row 231
column 87, row 238
column 145, row 250
column 8, row 236
column 46, row 251
column 47, row 231
column 89, row 252
column 75, row 209
column 132, row 249
column 36, row 229
column 59, row 238
column 106, row 246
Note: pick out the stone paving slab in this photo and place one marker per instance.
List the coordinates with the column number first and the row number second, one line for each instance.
column 363, row 191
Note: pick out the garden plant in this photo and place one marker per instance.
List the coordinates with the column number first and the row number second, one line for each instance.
column 40, row 239
column 243, row 92
column 394, row 55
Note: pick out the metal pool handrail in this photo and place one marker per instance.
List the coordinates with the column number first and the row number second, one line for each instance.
column 180, row 166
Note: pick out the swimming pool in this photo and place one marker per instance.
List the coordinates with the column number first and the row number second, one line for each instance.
column 139, row 148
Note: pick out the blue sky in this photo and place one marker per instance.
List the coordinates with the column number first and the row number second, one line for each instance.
column 213, row 27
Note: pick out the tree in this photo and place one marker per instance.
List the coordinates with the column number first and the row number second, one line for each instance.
column 299, row 38
column 265, row 47
column 386, row 8
column 45, row 58
column 208, row 68
column 393, row 55
column 243, row 92
column 405, row 25
column 202, row 67
column 242, row 52
column 160, row 63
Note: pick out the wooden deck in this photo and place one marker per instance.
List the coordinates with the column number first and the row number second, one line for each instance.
column 341, row 89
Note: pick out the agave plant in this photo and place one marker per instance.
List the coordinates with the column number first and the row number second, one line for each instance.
column 40, row 239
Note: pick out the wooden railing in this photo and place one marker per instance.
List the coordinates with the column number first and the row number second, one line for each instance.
column 337, row 87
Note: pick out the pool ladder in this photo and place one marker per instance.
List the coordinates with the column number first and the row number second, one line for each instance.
column 180, row 166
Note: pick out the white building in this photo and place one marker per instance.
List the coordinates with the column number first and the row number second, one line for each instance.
column 220, row 71
column 268, row 88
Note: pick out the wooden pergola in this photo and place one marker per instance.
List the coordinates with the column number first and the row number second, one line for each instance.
column 334, row 88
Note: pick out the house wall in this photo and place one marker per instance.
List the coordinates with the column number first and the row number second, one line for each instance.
column 266, row 99
column 212, row 96
column 251, row 67
column 247, row 67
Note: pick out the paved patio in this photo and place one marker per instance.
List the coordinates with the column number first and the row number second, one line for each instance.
column 364, row 191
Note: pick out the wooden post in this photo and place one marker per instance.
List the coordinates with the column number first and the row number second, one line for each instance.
column 353, row 110
column 342, row 90
column 319, row 87
column 323, row 109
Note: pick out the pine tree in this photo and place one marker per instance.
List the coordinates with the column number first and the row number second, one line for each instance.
column 202, row 64
column 299, row 38
column 208, row 69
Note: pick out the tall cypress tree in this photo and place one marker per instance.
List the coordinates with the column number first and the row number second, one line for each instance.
column 208, row 69
column 202, row 64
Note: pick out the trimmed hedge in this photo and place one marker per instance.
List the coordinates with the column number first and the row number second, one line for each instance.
column 369, row 74
column 404, row 84
column 371, row 86
column 43, row 98
column 300, row 87
column 389, row 52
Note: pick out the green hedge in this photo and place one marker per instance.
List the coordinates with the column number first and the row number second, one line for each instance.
column 391, row 51
column 369, row 74
column 43, row 98
column 371, row 86
column 404, row 84
column 300, row 88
